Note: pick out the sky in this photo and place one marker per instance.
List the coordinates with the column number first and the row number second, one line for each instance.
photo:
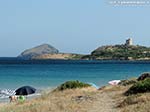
column 72, row 26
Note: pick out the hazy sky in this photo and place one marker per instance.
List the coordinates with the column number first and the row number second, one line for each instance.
column 77, row 26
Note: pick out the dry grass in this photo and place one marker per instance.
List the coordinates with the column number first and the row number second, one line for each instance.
column 115, row 88
column 108, row 99
column 54, row 102
column 136, row 103
column 132, row 103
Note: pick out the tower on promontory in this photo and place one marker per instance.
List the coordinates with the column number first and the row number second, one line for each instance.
column 129, row 42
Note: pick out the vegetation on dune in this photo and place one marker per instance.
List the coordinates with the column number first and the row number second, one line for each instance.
column 139, row 87
column 72, row 85
column 54, row 102
column 144, row 76
column 134, row 102
column 130, row 100
column 128, row 82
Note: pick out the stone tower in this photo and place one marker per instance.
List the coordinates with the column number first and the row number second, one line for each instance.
column 129, row 42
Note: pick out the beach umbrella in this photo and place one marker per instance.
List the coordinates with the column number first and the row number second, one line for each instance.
column 25, row 90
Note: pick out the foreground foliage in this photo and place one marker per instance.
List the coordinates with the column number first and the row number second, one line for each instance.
column 54, row 102
column 72, row 85
column 144, row 76
column 128, row 82
column 139, row 87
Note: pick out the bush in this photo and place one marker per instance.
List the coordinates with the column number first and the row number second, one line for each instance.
column 72, row 85
column 139, row 87
column 144, row 76
column 128, row 82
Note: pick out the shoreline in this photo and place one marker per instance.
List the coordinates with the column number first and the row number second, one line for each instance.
column 6, row 100
column 102, row 59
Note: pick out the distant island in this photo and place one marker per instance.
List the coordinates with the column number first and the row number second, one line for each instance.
column 126, row 51
column 46, row 51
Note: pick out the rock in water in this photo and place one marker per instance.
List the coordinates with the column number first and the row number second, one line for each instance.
column 37, row 51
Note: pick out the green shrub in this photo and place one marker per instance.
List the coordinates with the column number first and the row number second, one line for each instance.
column 72, row 85
column 128, row 82
column 144, row 76
column 139, row 87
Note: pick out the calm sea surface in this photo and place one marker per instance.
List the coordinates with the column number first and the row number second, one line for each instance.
column 50, row 73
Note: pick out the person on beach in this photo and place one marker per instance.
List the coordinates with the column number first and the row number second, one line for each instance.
column 17, row 98
column 13, row 98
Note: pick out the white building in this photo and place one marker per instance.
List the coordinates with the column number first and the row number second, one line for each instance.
column 129, row 42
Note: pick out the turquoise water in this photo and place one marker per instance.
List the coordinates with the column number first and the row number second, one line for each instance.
column 50, row 73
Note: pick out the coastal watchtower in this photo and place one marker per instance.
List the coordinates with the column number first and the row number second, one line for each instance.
column 129, row 42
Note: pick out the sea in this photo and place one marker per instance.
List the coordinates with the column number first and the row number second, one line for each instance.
column 47, row 74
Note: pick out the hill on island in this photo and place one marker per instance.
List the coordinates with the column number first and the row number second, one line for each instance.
column 37, row 51
column 46, row 51
column 126, row 51
column 120, row 52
